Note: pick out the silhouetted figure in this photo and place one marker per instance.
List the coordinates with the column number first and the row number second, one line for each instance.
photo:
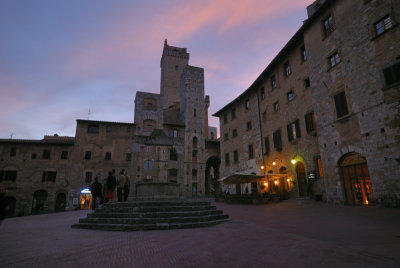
column 95, row 189
column 3, row 211
column 127, row 186
column 111, row 185
column 120, row 185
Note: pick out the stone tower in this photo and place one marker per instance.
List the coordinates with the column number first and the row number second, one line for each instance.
column 173, row 61
column 192, row 109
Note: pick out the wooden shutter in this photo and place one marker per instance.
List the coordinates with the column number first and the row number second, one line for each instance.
column 298, row 134
column 289, row 132
column 266, row 145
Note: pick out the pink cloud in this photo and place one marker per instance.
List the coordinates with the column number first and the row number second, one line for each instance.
column 138, row 41
column 13, row 99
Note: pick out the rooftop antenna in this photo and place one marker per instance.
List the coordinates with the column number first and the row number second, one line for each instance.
column 88, row 115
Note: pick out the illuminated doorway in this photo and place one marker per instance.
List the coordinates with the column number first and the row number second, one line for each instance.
column 85, row 199
column 301, row 178
column 356, row 179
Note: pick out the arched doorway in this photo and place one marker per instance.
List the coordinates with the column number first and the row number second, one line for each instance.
column 9, row 206
column 356, row 180
column 61, row 202
column 39, row 198
column 212, row 176
column 301, row 178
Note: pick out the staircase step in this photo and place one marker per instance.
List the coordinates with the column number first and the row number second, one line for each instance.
column 139, row 227
column 152, row 220
column 153, row 214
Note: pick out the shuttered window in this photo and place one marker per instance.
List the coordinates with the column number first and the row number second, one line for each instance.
column 266, row 145
column 341, row 104
column 293, row 130
column 277, row 140
column 310, row 122
column 392, row 74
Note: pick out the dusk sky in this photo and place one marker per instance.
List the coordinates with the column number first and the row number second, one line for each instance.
column 58, row 59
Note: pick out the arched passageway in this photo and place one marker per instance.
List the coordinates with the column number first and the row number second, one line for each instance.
column 61, row 202
column 9, row 206
column 212, row 175
column 356, row 179
column 39, row 199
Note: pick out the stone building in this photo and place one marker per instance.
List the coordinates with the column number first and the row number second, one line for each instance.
column 167, row 145
column 354, row 64
column 329, row 101
column 270, row 128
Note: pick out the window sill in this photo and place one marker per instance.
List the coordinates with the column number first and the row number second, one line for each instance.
column 330, row 68
column 343, row 119
column 312, row 133
column 326, row 35
column 295, row 142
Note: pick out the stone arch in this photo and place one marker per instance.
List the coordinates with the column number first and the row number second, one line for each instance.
column 211, row 180
column 355, row 178
column 61, row 201
column 9, row 206
column 38, row 202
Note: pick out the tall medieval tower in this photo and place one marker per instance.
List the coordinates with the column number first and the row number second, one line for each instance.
column 173, row 61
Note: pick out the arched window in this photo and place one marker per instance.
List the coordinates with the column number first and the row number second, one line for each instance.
column 282, row 170
column 173, row 155
column 149, row 125
column 194, row 156
column 194, row 142
column 172, row 174
column 149, row 104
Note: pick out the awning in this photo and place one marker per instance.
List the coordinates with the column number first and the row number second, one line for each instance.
column 238, row 178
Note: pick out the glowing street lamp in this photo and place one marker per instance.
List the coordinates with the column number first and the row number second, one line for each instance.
column 293, row 161
column 274, row 163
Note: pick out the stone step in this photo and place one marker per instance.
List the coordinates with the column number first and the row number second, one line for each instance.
column 102, row 214
column 139, row 227
column 157, row 204
column 178, row 208
column 153, row 208
column 152, row 215
column 132, row 221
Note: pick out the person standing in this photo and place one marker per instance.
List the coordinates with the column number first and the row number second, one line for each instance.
column 120, row 185
column 111, row 184
column 95, row 189
column 127, row 186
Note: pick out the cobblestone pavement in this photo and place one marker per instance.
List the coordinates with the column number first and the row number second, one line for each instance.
column 288, row 234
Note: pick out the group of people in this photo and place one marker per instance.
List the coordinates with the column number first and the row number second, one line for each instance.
column 106, row 194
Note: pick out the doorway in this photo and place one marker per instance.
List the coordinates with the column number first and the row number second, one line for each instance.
column 61, row 202
column 9, row 206
column 38, row 202
column 301, row 178
column 356, row 180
